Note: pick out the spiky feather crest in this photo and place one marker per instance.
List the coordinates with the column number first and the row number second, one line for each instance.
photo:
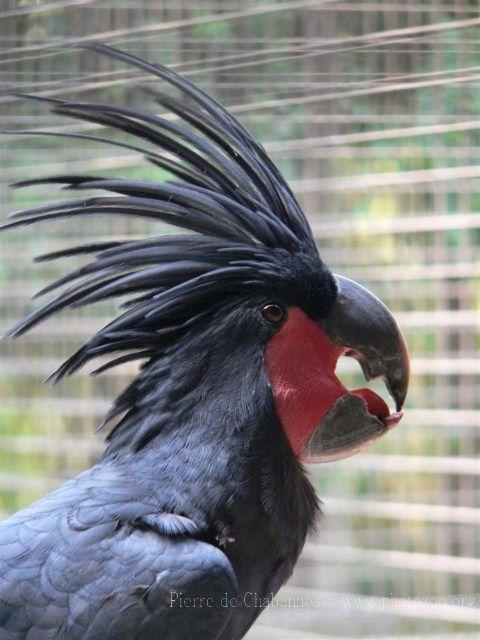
column 246, row 229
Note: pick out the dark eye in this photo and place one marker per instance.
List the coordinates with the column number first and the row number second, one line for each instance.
column 273, row 313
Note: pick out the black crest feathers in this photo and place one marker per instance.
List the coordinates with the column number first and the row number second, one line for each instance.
column 240, row 217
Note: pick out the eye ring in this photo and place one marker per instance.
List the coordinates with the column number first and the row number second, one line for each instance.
column 273, row 313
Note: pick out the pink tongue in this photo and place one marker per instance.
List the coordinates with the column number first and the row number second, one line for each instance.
column 375, row 405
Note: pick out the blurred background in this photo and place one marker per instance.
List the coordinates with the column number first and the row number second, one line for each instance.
column 372, row 111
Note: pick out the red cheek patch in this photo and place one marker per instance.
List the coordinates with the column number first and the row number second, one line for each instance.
column 301, row 363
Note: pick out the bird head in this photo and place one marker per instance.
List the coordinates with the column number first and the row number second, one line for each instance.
column 246, row 273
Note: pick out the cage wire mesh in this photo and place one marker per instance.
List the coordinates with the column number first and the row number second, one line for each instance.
column 372, row 110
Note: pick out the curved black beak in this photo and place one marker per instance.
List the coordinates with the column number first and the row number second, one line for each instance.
column 361, row 324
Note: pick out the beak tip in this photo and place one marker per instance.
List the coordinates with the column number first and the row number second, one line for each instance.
column 401, row 386
column 398, row 386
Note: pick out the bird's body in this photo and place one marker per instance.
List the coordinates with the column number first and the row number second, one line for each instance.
column 214, row 495
column 199, row 508
column 108, row 546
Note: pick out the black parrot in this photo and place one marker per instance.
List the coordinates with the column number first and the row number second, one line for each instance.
column 200, row 505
